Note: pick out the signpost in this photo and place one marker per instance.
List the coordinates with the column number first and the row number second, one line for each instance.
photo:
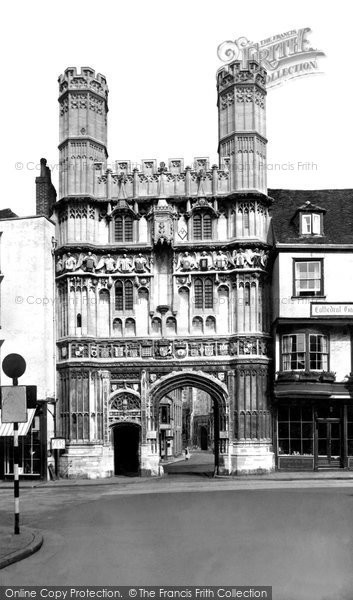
column 14, row 410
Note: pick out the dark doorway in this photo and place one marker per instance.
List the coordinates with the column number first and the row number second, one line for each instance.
column 126, row 449
column 204, row 438
column 329, row 443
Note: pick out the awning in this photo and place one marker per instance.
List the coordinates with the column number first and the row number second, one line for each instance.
column 6, row 429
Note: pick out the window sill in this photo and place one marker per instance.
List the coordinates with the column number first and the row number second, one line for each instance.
column 318, row 376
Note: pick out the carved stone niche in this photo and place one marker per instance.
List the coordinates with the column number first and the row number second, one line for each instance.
column 163, row 226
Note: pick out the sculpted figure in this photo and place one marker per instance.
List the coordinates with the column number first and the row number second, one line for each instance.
column 125, row 264
column 187, row 262
column 221, row 260
column 141, row 264
column 249, row 257
column 89, row 262
column 70, row 262
column 260, row 258
column 110, row 265
column 239, row 259
column 59, row 265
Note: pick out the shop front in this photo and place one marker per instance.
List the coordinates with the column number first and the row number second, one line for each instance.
column 313, row 425
column 32, row 447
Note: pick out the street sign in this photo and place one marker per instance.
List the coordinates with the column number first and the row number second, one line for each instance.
column 14, row 365
column 14, row 410
column 58, row 443
column 13, row 404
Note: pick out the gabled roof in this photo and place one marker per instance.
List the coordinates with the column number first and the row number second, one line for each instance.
column 337, row 206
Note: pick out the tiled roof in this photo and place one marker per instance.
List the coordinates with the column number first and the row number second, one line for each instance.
column 338, row 219
column 6, row 213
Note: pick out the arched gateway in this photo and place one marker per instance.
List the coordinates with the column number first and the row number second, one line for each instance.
column 163, row 282
column 187, row 379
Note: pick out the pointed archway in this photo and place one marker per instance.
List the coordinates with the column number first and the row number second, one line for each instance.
column 218, row 392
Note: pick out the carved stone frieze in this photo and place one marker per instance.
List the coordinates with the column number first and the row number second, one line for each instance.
column 159, row 349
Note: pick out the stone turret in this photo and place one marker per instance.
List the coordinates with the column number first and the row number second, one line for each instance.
column 242, row 125
column 83, row 100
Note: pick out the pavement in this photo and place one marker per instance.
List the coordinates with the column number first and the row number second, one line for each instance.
column 14, row 548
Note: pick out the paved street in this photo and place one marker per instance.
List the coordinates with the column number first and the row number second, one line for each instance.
column 295, row 536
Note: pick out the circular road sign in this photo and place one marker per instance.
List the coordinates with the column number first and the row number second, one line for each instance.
column 14, row 365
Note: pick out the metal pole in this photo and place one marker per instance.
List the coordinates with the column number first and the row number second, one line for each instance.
column 16, row 481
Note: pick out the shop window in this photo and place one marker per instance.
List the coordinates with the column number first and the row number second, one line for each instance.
column 305, row 352
column 29, row 452
column 350, row 430
column 308, row 280
column 295, row 431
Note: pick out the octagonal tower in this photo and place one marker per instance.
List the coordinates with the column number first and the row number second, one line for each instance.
column 83, row 99
column 242, row 125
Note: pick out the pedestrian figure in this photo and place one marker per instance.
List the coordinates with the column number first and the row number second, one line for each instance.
column 187, row 453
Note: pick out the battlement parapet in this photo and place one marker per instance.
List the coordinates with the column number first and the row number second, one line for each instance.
column 173, row 166
column 128, row 180
column 85, row 79
column 241, row 72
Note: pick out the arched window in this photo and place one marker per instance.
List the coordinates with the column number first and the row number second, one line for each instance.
column 197, row 325
column 210, row 324
column 202, row 226
column 156, row 326
column 198, row 287
column 208, row 293
column 130, row 328
column 78, row 320
column 123, row 228
column 117, row 327
column 203, row 293
column 171, row 325
column 124, row 297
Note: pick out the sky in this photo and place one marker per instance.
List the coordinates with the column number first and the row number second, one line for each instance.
column 160, row 59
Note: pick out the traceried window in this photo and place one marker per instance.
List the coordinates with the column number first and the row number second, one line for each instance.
column 123, row 228
column 310, row 224
column 308, row 279
column 202, row 226
column 305, row 351
column 124, row 295
column 203, row 291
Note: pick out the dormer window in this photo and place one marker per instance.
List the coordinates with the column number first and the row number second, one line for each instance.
column 310, row 223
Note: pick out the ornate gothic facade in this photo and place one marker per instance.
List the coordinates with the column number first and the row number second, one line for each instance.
column 162, row 282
